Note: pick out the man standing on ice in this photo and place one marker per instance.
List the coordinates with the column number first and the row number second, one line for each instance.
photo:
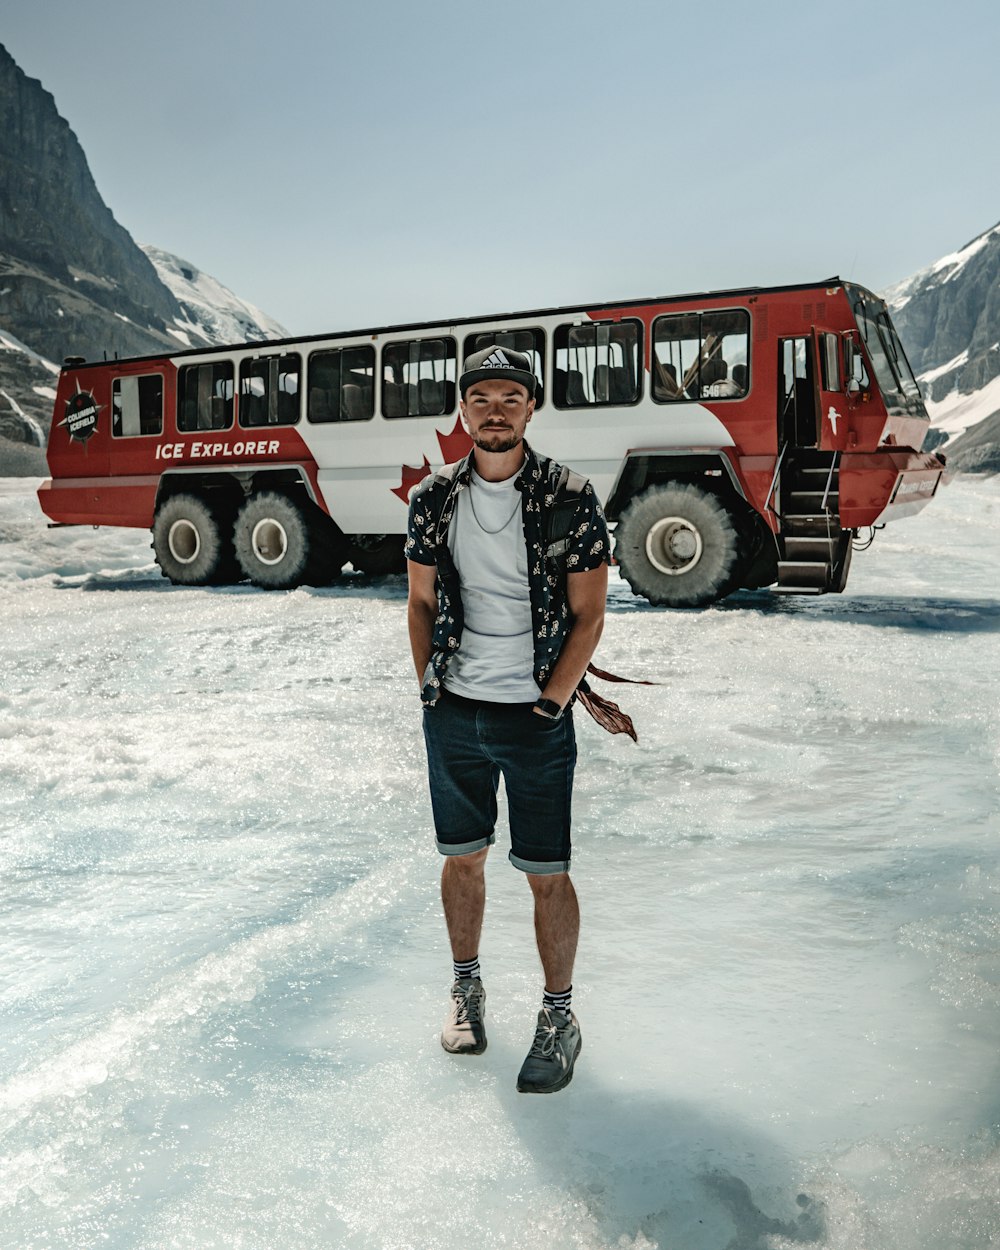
column 503, row 622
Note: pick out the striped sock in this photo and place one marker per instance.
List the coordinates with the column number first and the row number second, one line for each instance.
column 557, row 1001
column 467, row 968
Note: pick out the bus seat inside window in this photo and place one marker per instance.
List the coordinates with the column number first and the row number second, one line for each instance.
column 137, row 406
column 419, row 378
column 701, row 356
column 597, row 363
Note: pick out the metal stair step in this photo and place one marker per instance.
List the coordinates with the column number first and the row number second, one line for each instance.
column 807, row 575
column 809, row 525
column 807, row 501
column 809, row 547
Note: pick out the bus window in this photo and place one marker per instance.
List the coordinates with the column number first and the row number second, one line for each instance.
column 342, row 384
column 418, row 378
column 701, row 356
column 269, row 390
column 137, row 405
column 901, row 366
column 676, row 357
column 597, row 363
column 530, row 342
column 205, row 396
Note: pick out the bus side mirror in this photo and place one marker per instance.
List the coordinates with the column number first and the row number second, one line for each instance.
column 854, row 388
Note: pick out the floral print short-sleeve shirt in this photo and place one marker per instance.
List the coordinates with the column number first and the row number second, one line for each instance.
column 432, row 508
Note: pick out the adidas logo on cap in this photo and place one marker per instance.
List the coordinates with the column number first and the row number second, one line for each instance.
column 496, row 360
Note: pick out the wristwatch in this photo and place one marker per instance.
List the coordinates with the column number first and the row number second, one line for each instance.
column 549, row 708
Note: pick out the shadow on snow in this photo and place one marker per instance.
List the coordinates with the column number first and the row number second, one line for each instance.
column 914, row 612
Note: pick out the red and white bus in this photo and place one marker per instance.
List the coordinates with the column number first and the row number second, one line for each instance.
column 736, row 439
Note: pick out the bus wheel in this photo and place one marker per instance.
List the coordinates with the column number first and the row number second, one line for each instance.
column 378, row 553
column 281, row 543
column 680, row 546
column 192, row 543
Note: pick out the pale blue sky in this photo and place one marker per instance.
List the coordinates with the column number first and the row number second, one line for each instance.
column 354, row 164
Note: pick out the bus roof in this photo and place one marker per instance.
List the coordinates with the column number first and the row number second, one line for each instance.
column 459, row 321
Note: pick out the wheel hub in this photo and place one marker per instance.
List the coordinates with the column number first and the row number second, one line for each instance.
column 184, row 541
column 673, row 545
column 269, row 541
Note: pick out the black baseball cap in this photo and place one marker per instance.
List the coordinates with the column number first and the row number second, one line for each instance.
column 497, row 362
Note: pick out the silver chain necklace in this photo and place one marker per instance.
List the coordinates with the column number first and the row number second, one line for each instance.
column 472, row 502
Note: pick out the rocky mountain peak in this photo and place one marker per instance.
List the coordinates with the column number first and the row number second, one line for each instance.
column 948, row 316
column 211, row 310
column 72, row 279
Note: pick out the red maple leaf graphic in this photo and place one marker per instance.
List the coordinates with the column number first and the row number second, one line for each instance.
column 453, row 447
column 456, row 444
column 410, row 478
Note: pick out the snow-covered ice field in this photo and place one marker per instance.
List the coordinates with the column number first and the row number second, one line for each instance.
column 224, row 968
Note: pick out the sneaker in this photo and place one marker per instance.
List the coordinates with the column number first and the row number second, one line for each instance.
column 464, row 1031
column 549, row 1065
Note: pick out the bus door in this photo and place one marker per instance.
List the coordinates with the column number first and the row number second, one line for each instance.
column 797, row 394
column 831, row 404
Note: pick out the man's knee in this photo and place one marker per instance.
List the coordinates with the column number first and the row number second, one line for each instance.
column 470, row 865
column 548, row 884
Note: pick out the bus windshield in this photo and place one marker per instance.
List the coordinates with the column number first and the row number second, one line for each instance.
column 892, row 369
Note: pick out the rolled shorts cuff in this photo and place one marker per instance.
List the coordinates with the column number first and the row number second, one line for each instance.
column 466, row 848
column 547, row 869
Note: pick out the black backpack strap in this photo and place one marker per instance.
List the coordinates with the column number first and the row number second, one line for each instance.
column 445, row 476
column 566, row 486
column 447, row 472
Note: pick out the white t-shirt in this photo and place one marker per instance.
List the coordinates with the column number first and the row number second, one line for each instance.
column 496, row 658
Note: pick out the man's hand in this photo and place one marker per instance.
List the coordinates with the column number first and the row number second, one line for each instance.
column 587, row 595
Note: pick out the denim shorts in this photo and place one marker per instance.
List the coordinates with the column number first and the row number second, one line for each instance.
column 470, row 743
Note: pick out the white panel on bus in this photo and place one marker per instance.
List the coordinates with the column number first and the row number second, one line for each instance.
column 361, row 463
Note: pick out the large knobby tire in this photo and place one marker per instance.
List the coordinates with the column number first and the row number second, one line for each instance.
column 679, row 546
column 192, row 542
column 282, row 542
column 378, row 554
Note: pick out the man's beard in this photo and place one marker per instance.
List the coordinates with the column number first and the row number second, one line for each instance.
column 505, row 444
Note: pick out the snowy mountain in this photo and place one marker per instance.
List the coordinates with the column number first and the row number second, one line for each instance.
column 72, row 279
column 15, row 423
column 212, row 313
column 948, row 316
column 27, row 391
